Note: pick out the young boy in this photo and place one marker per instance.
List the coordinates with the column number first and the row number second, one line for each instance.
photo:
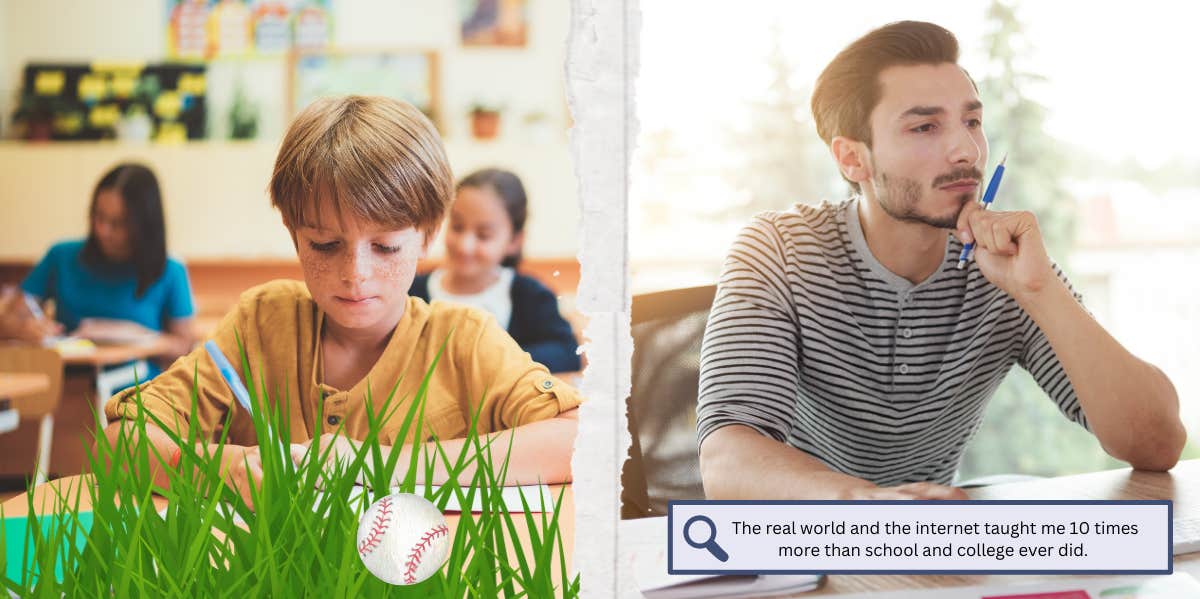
column 362, row 184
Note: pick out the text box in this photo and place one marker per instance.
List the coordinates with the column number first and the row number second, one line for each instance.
column 926, row 537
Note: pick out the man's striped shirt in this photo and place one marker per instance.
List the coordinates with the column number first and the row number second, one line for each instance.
column 812, row 342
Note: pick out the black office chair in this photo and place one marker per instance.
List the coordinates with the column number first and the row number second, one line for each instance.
column 663, row 463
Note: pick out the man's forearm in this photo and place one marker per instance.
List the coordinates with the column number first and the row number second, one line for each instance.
column 737, row 462
column 1130, row 405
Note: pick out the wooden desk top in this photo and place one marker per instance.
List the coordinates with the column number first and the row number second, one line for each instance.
column 14, row 384
column 1181, row 484
column 108, row 355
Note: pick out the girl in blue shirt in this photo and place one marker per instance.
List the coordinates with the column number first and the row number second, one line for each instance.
column 118, row 283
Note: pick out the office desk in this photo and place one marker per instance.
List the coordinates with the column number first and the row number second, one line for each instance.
column 1181, row 484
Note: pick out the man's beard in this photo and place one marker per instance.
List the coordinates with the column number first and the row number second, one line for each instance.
column 900, row 196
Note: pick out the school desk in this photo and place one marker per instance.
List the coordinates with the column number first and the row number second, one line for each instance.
column 46, row 498
column 13, row 387
column 19, row 384
column 86, row 386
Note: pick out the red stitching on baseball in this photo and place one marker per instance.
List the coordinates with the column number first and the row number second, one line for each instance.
column 383, row 519
column 414, row 557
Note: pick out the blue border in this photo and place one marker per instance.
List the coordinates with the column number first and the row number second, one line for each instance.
column 1167, row 502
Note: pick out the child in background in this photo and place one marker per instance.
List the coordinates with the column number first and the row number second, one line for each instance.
column 362, row 184
column 483, row 247
column 118, row 282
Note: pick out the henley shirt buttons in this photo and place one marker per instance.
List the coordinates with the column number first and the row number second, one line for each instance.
column 904, row 369
column 333, row 420
column 547, row 384
column 907, row 333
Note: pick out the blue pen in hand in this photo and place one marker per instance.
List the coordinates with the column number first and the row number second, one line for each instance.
column 988, row 196
column 229, row 374
column 231, row 377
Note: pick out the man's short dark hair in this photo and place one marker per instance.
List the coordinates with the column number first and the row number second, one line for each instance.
column 848, row 89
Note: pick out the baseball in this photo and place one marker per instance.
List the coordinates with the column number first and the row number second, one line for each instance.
column 403, row 539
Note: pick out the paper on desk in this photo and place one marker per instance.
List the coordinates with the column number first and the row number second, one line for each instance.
column 1179, row 585
column 648, row 562
column 538, row 497
column 70, row 346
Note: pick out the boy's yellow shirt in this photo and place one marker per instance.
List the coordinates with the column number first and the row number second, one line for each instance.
column 279, row 326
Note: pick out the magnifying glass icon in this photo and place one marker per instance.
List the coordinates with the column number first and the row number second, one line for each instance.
column 708, row 541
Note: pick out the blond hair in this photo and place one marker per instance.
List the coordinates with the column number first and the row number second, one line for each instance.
column 374, row 158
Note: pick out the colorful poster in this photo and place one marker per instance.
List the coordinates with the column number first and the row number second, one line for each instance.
column 493, row 22
column 205, row 29
column 187, row 28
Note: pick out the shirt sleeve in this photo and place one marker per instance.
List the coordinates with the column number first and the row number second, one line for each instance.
column 40, row 281
column 168, row 396
column 550, row 340
column 1040, row 360
column 507, row 387
column 179, row 293
column 750, row 356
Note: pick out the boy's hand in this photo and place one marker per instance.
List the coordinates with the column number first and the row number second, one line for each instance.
column 1008, row 248
column 341, row 450
column 241, row 467
column 909, row 491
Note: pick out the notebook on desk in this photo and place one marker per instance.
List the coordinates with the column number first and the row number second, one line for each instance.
column 1185, row 536
column 538, row 497
column 649, row 566
column 17, row 541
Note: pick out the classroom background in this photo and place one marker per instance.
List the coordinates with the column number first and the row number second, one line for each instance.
column 201, row 92
column 1100, row 134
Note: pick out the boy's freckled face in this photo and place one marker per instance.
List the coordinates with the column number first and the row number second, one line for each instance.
column 359, row 273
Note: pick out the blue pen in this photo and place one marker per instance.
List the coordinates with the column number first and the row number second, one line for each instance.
column 988, row 196
column 229, row 374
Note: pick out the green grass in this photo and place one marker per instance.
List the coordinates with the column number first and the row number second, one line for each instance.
column 299, row 541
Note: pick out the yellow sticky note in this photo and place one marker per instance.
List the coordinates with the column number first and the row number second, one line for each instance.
column 167, row 105
column 171, row 133
column 92, row 86
column 104, row 116
column 69, row 123
column 192, row 83
column 49, row 83
column 123, row 86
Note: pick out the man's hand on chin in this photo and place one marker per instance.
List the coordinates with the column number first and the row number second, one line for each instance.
column 1008, row 248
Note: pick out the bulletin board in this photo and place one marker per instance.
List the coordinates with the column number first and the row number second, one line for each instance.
column 409, row 75
column 86, row 101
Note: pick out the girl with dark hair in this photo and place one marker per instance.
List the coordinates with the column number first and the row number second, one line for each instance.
column 118, row 283
column 484, row 238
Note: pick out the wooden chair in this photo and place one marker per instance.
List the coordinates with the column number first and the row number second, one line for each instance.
column 41, row 406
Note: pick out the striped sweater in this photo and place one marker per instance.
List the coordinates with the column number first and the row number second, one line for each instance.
column 812, row 342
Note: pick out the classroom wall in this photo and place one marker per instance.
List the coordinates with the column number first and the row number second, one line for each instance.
column 215, row 190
